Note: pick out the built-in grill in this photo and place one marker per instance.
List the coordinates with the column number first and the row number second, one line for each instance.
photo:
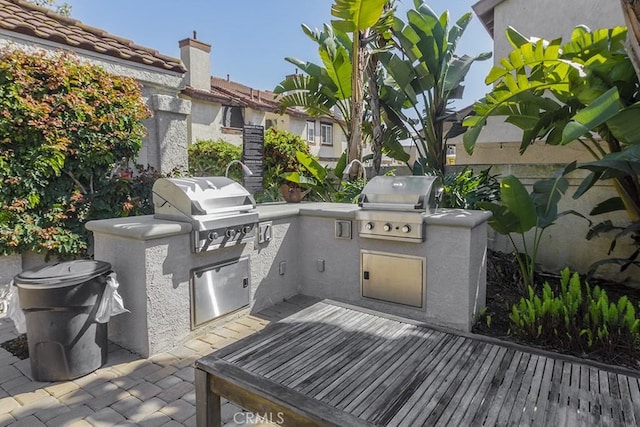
column 393, row 207
column 221, row 211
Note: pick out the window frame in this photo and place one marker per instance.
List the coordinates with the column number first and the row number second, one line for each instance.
column 311, row 131
column 329, row 141
column 228, row 112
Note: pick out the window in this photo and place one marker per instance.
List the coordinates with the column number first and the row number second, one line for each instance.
column 311, row 131
column 269, row 123
column 232, row 117
column 326, row 133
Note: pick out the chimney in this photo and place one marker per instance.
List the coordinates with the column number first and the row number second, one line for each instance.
column 196, row 56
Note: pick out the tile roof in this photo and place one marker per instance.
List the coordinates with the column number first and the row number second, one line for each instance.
column 232, row 93
column 21, row 17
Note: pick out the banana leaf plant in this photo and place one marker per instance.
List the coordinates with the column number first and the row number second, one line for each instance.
column 584, row 91
column 319, row 179
column 423, row 76
column 326, row 89
column 520, row 212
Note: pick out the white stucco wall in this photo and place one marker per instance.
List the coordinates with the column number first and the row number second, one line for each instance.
column 551, row 19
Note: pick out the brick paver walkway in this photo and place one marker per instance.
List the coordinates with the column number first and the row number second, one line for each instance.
column 128, row 390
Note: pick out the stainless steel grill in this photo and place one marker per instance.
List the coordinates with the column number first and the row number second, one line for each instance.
column 221, row 211
column 393, row 207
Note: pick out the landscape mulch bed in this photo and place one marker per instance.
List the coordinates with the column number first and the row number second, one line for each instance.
column 502, row 293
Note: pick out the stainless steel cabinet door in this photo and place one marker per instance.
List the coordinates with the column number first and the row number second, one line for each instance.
column 393, row 277
column 219, row 289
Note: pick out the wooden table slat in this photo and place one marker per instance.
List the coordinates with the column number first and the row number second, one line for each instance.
column 297, row 335
column 273, row 332
column 314, row 358
column 333, row 364
column 481, row 387
column 338, row 376
column 336, row 365
column 435, row 404
column 360, row 379
column 459, row 402
column 495, row 397
column 405, row 374
column 404, row 391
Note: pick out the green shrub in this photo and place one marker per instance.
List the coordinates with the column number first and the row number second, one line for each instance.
column 578, row 318
column 465, row 189
column 211, row 158
column 280, row 149
column 63, row 126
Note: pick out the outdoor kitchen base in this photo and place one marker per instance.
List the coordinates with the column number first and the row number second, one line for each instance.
column 438, row 280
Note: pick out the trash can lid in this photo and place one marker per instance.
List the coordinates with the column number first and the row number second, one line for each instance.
column 61, row 274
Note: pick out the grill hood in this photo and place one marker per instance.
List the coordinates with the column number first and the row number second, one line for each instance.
column 175, row 198
column 401, row 193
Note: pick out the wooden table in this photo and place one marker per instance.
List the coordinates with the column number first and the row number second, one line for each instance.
column 332, row 364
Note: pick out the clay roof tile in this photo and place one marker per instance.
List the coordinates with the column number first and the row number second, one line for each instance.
column 25, row 18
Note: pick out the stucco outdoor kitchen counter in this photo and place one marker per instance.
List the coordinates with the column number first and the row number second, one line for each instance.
column 147, row 227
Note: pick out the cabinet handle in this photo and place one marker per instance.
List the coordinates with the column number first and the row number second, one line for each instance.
column 365, row 275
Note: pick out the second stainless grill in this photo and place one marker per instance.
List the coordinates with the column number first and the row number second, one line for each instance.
column 393, row 207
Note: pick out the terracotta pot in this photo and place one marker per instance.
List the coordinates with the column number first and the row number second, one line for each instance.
column 292, row 194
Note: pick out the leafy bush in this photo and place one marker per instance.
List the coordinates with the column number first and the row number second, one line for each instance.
column 578, row 318
column 280, row 149
column 464, row 189
column 211, row 158
column 63, row 126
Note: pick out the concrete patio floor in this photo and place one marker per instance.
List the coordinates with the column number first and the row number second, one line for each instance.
column 129, row 390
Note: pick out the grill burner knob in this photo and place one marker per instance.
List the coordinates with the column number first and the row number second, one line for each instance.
column 246, row 229
column 369, row 226
column 230, row 233
column 213, row 235
column 406, row 228
column 387, row 227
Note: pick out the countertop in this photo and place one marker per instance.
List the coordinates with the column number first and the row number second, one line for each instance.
column 147, row 227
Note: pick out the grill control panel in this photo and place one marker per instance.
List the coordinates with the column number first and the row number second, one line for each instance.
column 208, row 240
column 391, row 230
column 400, row 226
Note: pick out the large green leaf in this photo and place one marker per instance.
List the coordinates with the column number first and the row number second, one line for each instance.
column 625, row 125
column 602, row 109
column 545, row 196
column 503, row 220
column 516, row 199
column 316, row 170
column 299, row 179
column 459, row 68
column 356, row 15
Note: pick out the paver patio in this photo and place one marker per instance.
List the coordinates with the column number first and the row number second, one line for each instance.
column 128, row 390
column 158, row 391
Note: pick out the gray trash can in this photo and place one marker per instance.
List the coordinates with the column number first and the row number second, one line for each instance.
column 59, row 302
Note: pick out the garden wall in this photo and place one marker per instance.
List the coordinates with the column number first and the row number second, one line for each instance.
column 564, row 243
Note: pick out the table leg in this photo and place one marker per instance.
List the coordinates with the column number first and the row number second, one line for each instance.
column 208, row 407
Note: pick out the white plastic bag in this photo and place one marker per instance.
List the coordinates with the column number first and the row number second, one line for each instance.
column 14, row 311
column 111, row 303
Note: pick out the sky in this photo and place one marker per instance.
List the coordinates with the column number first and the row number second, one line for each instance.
column 251, row 38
